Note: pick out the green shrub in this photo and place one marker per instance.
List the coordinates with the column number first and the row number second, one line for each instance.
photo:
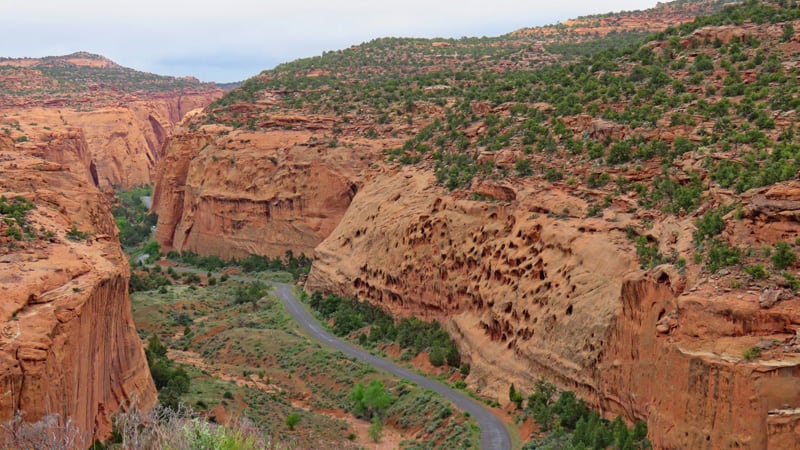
column 752, row 353
column 619, row 153
column 436, row 357
column 709, row 225
column 14, row 233
column 523, row 168
column 721, row 255
column 370, row 401
column 648, row 253
column 249, row 293
column 375, row 430
column 792, row 281
column 292, row 420
column 756, row 271
column 74, row 235
column 783, row 256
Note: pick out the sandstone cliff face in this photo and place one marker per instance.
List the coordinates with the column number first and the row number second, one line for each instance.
column 529, row 289
column 526, row 294
column 241, row 193
column 67, row 340
column 68, row 148
column 123, row 141
column 715, row 399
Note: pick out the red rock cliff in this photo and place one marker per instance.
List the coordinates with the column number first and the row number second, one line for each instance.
column 714, row 398
column 238, row 193
column 67, row 340
column 530, row 288
column 123, row 141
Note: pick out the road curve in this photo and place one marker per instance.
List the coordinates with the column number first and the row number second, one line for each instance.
column 494, row 435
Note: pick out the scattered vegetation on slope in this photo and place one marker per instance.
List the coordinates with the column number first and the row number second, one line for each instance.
column 372, row 325
column 297, row 266
column 248, row 358
column 567, row 423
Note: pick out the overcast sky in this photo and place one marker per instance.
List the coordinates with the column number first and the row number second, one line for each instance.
column 229, row 40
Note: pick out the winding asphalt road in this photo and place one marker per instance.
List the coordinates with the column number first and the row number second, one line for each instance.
column 494, row 435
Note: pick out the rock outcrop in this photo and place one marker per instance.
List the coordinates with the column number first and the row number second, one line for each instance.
column 67, row 341
column 529, row 288
column 124, row 122
column 716, row 399
column 123, row 142
column 240, row 193
column 526, row 292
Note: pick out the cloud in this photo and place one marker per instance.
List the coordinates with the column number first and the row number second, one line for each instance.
column 234, row 39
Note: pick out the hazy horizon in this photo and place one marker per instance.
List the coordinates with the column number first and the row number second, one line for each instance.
column 235, row 40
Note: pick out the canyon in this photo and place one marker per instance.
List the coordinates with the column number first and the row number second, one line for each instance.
column 70, row 134
column 611, row 224
column 542, row 276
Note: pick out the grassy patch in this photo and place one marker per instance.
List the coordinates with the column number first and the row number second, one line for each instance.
column 251, row 359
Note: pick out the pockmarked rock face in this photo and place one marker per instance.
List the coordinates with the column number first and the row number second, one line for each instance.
column 530, row 292
column 67, row 341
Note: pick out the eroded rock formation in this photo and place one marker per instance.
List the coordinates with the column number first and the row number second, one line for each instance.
column 122, row 141
column 67, row 341
column 124, row 121
column 235, row 194
column 529, row 289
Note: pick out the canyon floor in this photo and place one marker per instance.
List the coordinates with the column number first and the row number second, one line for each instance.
column 254, row 360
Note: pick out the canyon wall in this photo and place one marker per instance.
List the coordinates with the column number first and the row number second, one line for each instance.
column 692, row 342
column 527, row 291
column 241, row 193
column 530, row 288
column 123, row 140
column 68, row 345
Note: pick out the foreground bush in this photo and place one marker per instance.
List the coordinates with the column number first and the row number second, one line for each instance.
column 51, row 432
column 172, row 429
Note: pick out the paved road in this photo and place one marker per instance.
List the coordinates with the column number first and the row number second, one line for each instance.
column 494, row 435
column 141, row 259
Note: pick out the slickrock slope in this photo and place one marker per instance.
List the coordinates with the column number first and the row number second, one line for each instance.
column 526, row 294
column 124, row 115
column 67, row 341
